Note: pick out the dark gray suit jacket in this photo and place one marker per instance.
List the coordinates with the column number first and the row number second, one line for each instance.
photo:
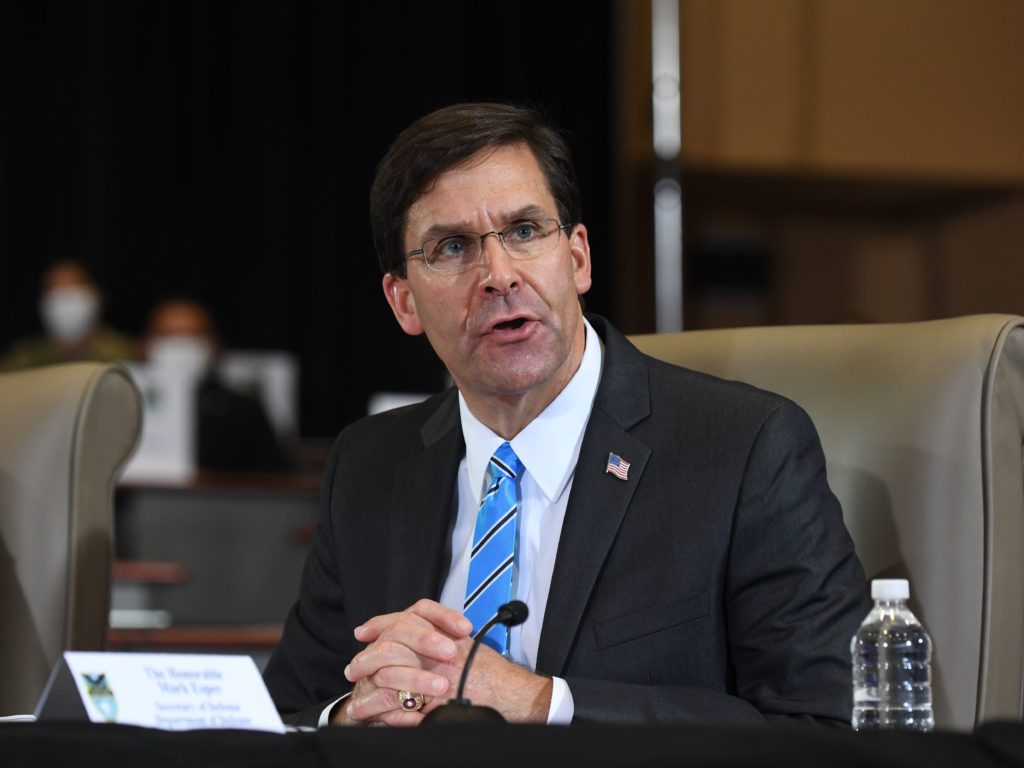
column 718, row 584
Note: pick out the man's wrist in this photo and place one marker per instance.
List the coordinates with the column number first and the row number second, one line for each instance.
column 333, row 714
column 541, row 706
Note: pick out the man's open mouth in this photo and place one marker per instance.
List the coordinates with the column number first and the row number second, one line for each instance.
column 510, row 325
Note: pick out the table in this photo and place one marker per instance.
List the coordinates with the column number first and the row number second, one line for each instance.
column 32, row 745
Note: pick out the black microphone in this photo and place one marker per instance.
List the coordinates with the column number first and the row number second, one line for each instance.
column 461, row 710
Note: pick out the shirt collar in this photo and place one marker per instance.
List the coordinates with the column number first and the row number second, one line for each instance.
column 550, row 444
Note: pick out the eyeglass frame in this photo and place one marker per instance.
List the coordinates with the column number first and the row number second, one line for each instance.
column 421, row 254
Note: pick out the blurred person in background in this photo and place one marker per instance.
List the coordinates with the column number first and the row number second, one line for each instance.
column 233, row 431
column 71, row 309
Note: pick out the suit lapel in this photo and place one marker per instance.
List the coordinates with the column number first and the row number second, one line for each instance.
column 421, row 508
column 599, row 500
column 423, row 493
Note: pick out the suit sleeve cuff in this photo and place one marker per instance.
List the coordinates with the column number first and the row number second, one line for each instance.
column 562, row 708
column 325, row 716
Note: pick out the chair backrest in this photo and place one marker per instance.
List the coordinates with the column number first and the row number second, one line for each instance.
column 65, row 431
column 922, row 426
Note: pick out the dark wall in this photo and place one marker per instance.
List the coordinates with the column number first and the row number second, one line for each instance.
column 227, row 148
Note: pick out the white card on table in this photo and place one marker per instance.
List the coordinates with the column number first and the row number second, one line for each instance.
column 172, row 691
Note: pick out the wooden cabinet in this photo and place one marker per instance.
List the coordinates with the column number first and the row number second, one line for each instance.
column 843, row 160
column 922, row 89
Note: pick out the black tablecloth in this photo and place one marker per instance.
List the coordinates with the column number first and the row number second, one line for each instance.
column 40, row 745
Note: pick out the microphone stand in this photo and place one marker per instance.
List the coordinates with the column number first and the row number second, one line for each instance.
column 460, row 709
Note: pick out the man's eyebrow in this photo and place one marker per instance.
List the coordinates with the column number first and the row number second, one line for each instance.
column 526, row 213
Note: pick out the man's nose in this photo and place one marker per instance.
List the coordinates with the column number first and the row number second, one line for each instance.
column 500, row 272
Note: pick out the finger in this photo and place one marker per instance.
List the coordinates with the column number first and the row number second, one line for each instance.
column 372, row 628
column 400, row 718
column 440, row 617
column 444, row 618
column 405, row 679
column 376, row 656
column 380, row 705
column 371, row 703
column 419, row 637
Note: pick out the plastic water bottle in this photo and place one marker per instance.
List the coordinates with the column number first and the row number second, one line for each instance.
column 892, row 676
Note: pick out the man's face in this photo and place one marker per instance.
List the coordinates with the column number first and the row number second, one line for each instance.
column 504, row 328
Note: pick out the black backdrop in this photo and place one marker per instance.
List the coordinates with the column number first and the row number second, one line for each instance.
column 226, row 149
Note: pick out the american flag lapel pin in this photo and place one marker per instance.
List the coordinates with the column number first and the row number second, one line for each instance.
column 618, row 466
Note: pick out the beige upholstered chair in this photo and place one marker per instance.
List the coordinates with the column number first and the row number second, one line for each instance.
column 922, row 426
column 65, row 432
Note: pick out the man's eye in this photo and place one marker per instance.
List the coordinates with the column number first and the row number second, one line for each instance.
column 450, row 248
column 523, row 230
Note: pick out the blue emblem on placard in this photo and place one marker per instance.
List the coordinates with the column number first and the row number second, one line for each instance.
column 99, row 691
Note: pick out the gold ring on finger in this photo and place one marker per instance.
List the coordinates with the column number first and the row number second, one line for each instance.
column 410, row 701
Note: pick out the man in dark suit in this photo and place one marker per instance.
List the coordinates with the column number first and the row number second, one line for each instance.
column 675, row 537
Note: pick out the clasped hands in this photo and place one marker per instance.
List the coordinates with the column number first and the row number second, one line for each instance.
column 423, row 649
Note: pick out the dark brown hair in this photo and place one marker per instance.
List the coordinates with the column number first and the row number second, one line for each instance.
column 443, row 140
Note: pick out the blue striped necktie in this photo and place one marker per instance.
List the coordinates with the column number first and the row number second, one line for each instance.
column 494, row 547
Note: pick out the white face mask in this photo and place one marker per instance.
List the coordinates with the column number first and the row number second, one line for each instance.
column 181, row 354
column 69, row 314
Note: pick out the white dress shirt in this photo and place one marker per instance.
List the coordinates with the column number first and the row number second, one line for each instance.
column 549, row 448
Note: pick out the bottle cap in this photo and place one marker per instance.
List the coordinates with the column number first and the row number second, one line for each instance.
column 890, row 589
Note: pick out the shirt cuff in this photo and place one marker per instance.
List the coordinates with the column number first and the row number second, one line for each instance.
column 562, row 708
column 325, row 716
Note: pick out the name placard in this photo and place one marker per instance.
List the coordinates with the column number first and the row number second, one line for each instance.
column 172, row 691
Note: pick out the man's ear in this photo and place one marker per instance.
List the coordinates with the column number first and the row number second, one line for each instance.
column 402, row 303
column 579, row 247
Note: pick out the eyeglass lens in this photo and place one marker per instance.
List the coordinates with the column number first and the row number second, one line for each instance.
column 521, row 239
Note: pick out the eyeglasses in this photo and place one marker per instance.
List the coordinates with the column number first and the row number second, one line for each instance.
column 522, row 240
